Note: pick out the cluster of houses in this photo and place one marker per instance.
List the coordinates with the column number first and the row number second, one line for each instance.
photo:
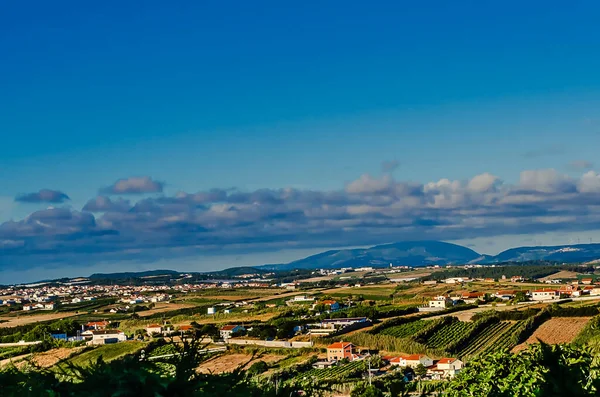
column 48, row 297
column 541, row 294
column 436, row 369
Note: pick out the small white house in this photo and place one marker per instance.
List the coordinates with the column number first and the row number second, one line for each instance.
column 228, row 330
column 412, row 361
column 101, row 337
column 450, row 366
column 545, row 294
column 154, row 329
column 440, row 302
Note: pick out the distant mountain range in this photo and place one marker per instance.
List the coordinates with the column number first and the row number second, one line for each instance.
column 408, row 253
column 424, row 253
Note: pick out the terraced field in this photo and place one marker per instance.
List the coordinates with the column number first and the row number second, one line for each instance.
column 447, row 334
column 506, row 340
column 486, row 339
column 337, row 372
column 406, row 330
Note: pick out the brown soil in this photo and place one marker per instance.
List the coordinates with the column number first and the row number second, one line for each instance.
column 52, row 357
column 165, row 307
column 555, row 331
column 230, row 362
column 33, row 318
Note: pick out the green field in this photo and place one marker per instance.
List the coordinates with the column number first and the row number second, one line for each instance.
column 406, row 330
column 487, row 339
column 336, row 372
column 108, row 352
column 448, row 333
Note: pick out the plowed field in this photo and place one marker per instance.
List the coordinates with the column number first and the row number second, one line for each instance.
column 556, row 330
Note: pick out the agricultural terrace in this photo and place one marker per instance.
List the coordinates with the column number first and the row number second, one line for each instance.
column 339, row 372
column 107, row 352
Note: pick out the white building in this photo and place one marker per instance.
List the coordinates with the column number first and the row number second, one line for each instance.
column 228, row 330
column 412, row 361
column 101, row 337
column 545, row 294
column 450, row 366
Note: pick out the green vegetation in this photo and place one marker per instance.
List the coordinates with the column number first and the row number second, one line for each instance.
column 392, row 344
column 540, row 371
column 486, row 339
column 339, row 372
column 589, row 332
column 448, row 333
column 107, row 352
column 530, row 270
column 406, row 330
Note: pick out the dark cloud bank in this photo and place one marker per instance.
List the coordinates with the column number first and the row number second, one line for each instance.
column 43, row 196
column 369, row 210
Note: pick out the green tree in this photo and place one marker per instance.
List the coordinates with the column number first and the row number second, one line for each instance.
column 366, row 390
column 420, row 370
column 258, row 368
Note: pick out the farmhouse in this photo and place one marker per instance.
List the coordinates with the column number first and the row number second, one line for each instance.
column 331, row 305
column 339, row 351
column 505, row 294
column 104, row 337
column 342, row 322
column 228, row 330
column 411, row 361
column 545, row 294
column 445, row 368
column 440, row 302
column 154, row 329
column 96, row 325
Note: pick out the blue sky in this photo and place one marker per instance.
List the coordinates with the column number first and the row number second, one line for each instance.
column 250, row 96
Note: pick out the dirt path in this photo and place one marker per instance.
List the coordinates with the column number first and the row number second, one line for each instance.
column 14, row 359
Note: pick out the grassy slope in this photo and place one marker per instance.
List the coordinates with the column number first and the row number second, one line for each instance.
column 108, row 352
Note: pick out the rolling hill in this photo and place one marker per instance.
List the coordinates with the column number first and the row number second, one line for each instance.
column 410, row 253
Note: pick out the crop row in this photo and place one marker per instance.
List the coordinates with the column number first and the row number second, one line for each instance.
column 448, row 333
column 406, row 330
column 336, row 372
column 486, row 338
column 508, row 339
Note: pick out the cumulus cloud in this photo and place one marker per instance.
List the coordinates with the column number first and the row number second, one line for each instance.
column 105, row 204
column 367, row 184
column 368, row 210
column 546, row 181
column 134, row 185
column 483, row 183
column 43, row 196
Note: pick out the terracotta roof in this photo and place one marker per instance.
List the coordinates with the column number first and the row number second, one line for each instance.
column 328, row 302
column 546, row 290
column 154, row 326
column 506, row 292
column 185, row 327
column 446, row 361
column 339, row 345
column 413, row 357
column 228, row 327
column 97, row 323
